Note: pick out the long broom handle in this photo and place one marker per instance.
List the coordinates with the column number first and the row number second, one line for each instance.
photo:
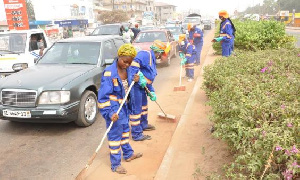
column 180, row 75
column 155, row 101
column 108, row 129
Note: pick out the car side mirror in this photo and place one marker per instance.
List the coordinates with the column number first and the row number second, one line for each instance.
column 108, row 62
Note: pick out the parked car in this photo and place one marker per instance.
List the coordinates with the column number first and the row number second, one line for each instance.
column 109, row 29
column 62, row 86
column 207, row 24
column 19, row 49
column 176, row 31
column 145, row 39
column 145, row 28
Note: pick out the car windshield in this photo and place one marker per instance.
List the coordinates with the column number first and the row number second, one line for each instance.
column 11, row 43
column 174, row 30
column 107, row 30
column 191, row 20
column 72, row 53
column 206, row 22
column 151, row 36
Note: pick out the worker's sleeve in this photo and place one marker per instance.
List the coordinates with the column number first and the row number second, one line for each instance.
column 189, row 52
column 106, row 106
column 150, row 87
column 227, row 28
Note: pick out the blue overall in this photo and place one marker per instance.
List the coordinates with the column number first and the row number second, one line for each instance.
column 227, row 42
column 110, row 96
column 197, row 37
column 190, row 53
column 145, row 62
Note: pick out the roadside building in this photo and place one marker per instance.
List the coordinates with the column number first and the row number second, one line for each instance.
column 135, row 8
column 164, row 11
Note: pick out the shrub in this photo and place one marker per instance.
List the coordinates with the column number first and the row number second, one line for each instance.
column 259, row 35
column 255, row 100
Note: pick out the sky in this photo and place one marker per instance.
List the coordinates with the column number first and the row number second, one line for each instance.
column 207, row 7
column 212, row 7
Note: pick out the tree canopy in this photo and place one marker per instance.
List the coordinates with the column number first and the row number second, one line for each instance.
column 115, row 16
column 274, row 6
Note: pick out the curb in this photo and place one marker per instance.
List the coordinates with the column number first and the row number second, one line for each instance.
column 165, row 166
column 293, row 28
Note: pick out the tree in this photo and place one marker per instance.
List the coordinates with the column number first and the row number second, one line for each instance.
column 115, row 16
column 30, row 10
column 289, row 5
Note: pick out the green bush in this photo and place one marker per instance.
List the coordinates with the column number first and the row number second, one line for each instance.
column 255, row 100
column 259, row 35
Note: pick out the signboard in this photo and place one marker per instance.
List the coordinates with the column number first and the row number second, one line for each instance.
column 16, row 14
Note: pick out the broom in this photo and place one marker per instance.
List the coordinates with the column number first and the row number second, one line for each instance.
column 82, row 173
column 163, row 114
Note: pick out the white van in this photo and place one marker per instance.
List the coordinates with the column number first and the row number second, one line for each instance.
column 20, row 49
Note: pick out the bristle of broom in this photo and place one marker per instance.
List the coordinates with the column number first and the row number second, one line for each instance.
column 167, row 116
column 179, row 88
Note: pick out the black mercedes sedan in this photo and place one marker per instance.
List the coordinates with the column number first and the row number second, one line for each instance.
column 62, row 86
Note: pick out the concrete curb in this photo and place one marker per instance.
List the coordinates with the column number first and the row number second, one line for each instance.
column 164, row 168
column 293, row 28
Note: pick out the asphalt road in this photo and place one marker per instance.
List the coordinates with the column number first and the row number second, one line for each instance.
column 296, row 34
column 52, row 151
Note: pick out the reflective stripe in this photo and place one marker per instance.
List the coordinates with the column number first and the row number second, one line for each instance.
column 227, row 23
column 145, row 113
column 136, row 64
column 124, row 135
column 125, row 141
column 107, row 73
column 114, row 143
column 137, row 116
column 103, row 105
column 190, row 64
column 188, row 55
column 114, row 151
column 135, row 123
column 113, row 98
column 144, row 107
column 148, row 80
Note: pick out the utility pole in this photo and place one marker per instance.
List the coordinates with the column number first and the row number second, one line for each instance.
column 113, row 4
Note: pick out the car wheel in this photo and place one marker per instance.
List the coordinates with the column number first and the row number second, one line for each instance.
column 168, row 63
column 88, row 109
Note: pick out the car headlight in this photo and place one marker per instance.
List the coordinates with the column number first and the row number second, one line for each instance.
column 54, row 97
column 19, row 66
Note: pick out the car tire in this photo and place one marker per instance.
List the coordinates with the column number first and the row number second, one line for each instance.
column 87, row 109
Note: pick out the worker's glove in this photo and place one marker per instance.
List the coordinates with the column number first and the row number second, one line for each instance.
column 142, row 81
column 181, row 55
column 152, row 96
column 183, row 61
column 218, row 39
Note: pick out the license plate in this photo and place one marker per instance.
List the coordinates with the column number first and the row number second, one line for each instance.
column 18, row 114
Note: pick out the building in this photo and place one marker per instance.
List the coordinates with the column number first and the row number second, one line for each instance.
column 150, row 5
column 164, row 11
column 67, row 13
column 135, row 8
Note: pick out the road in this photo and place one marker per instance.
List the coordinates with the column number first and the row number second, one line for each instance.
column 296, row 34
column 59, row 151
